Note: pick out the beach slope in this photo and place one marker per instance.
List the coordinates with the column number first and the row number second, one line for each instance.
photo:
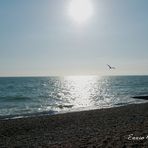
column 123, row 127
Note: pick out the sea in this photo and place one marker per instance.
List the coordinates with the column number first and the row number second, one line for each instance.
column 31, row 96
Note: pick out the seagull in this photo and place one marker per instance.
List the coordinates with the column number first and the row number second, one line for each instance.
column 110, row 67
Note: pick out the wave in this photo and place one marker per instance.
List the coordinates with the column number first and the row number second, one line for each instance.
column 121, row 104
column 14, row 98
column 60, row 106
column 141, row 97
column 64, row 106
column 26, row 115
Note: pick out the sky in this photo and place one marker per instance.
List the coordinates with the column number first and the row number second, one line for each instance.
column 41, row 38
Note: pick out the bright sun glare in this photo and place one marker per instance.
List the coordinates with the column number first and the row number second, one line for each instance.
column 80, row 10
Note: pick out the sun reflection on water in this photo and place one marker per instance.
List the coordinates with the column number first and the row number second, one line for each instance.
column 81, row 89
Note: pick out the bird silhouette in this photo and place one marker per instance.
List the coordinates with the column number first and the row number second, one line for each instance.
column 110, row 67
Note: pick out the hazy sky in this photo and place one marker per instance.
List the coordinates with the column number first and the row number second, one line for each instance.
column 39, row 37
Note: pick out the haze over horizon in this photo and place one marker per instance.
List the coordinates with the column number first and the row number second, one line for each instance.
column 63, row 37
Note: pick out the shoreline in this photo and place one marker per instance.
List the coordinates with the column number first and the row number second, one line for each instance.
column 93, row 128
column 51, row 112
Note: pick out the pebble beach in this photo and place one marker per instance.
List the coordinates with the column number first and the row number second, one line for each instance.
column 125, row 126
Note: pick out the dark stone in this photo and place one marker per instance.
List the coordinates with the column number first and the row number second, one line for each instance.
column 141, row 97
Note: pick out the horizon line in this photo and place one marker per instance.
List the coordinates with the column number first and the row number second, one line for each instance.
column 19, row 76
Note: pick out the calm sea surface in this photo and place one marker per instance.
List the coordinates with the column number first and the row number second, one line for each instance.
column 51, row 95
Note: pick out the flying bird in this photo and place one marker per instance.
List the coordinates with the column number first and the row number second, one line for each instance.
column 110, row 67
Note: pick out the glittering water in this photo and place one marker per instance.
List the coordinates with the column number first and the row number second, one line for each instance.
column 19, row 96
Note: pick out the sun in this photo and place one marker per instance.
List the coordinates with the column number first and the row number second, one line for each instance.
column 80, row 10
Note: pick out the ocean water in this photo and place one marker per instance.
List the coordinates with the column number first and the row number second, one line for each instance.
column 24, row 96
